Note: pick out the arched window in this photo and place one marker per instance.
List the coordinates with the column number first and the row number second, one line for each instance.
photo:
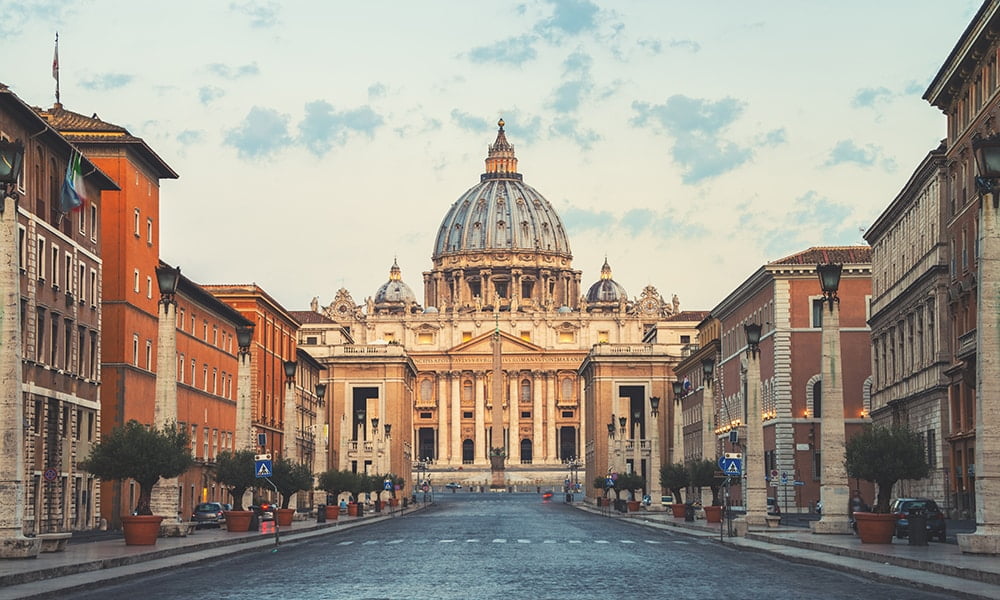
column 567, row 389
column 817, row 409
column 526, row 390
column 468, row 452
column 426, row 391
column 525, row 452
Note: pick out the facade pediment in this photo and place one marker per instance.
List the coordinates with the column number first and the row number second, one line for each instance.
column 483, row 344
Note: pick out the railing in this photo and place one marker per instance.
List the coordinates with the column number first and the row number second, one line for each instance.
column 629, row 349
column 966, row 344
column 369, row 350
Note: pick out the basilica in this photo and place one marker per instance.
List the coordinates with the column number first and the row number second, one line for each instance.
column 413, row 381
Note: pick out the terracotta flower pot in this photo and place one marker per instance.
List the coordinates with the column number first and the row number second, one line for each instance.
column 332, row 512
column 141, row 530
column 284, row 516
column 875, row 528
column 678, row 510
column 238, row 520
column 633, row 505
column 713, row 514
column 352, row 509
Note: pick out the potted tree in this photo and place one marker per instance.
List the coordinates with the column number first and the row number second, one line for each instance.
column 357, row 484
column 884, row 455
column 675, row 477
column 234, row 470
column 703, row 474
column 600, row 483
column 290, row 478
column 145, row 454
column 333, row 482
column 633, row 483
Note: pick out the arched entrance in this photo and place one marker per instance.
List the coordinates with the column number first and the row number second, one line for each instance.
column 468, row 452
column 525, row 452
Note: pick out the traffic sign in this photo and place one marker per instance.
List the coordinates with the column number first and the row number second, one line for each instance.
column 784, row 478
column 732, row 467
column 262, row 456
column 50, row 475
column 798, row 483
column 387, row 485
column 262, row 468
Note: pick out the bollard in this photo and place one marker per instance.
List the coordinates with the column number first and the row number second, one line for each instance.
column 321, row 513
column 917, row 527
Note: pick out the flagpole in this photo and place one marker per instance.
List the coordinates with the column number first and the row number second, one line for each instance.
column 55, row 67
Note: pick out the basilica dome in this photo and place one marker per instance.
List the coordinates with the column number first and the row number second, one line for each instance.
column 501, row 213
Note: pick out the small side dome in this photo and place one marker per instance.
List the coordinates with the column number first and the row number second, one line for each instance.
column 606, row 290
column 394, row 293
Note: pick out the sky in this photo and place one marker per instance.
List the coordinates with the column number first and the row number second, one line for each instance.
column 317, row 142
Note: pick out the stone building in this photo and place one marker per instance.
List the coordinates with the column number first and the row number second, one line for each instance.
column 501, row 262
column 50, row 359
column 910, row 358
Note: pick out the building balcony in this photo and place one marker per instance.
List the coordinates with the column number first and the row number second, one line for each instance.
column 966, row 345
column 374, row 350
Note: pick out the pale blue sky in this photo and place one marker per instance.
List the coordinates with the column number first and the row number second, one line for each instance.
column 688, row 142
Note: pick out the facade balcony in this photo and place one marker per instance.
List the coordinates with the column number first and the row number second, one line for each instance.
column 966, row 345
column 606, row 349
column 374, row 350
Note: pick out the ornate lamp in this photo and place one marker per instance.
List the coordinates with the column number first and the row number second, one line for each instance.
column 752, row 331
column 829, row 281
column 11, row 157
column 654, row 405
column 244, row 336
column 987, row 152
column 320, row 392
column 290, row 367
column 166, row 279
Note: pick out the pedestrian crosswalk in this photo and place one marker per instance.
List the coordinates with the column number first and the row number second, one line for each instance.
column 405, row 541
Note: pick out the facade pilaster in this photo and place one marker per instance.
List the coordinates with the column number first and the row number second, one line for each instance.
column 479, row 435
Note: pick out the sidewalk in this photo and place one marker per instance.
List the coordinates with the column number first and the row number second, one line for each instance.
column 93, row 564
column 935, row 567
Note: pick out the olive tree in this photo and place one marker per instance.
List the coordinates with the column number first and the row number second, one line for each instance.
column 885, row 455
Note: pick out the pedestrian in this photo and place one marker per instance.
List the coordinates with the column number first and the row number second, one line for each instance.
column 857, row 504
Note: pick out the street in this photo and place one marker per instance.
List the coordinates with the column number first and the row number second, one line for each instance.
column 502, row 545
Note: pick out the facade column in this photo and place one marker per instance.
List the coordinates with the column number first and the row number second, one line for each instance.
column 244, row 422
column 833, row 490
column 537, row 435
column 456, row 418
column 442, row 449
column 513, row 430
column 550, row 418
column 479, row 435
column 653, row 483
column 13, row 543
column 986, row 538
column 164, row 500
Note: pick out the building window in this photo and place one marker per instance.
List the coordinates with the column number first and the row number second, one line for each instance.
column 93, row 288
column 83, row 222
column 149, row 355
column 22, row 249
column 215, row 336
column 54, row 345
column 41, row 259
column 215, row 381
column 424, row 338
column 135, row 223
column 204, row 442
column 149, row 232
column 566, row 337
column 525, row 335
column 525, row 414
column 817, row 409
column 194, row 366
column 817, row 312
column 602, row 337
column 194, row 440
column 931, row 448
column 149, row 287
column 685, row 339
column 817, row 462
column 204, row 377
column 180, row 368
column 466, row 336
column 525, row 390
column 93, row 222
column 55, row 267
column 135, row 281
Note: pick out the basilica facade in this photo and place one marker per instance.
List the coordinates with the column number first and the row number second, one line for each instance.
column 571, row 354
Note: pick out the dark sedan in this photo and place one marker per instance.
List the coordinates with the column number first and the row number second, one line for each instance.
column 902, row 507
column 208, row 514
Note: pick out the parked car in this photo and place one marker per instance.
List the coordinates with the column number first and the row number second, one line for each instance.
column 264, row 510
column 208, row 514
column 453, row 486
column 547, row 495
column 901, row 508
column 772, row 506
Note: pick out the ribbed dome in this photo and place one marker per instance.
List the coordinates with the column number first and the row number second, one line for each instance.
column 394, row 291
column 606, row 289
column 501, row 213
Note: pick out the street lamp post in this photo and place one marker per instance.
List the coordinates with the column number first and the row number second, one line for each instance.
column 164, row 500
column 244, row 410
column 13, row 543
column 833, row 490
column 290, row 417
column 986, row 538
column 753, row 460
column 678, row 424
column 320, row 455
column 708, row 438
column 653, row 485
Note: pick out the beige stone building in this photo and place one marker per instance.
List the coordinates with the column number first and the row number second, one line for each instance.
column 501, row 262
column 910, row 359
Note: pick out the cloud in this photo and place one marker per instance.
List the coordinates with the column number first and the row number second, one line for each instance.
column 570, row 17
column 190, row 136
column 377, row 90
column 578, row 63
column 576, row 219
column 324, row 127
column 512, row 51
column 523, row 128
column 469, row 122
column 571, row 129
column 652, row 46
column 262, row 14
column 226, row 72
column 263, row 130
column 847, row 151
column 568, row 96
column 868, row 97
column 209, row 93
column 689, row 45
column 107, row 81
column 696, row 126
column 17, row 14
column 775, row 137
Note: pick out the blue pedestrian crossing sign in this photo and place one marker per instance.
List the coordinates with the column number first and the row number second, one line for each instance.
column 262, row 468
column 731, row 466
